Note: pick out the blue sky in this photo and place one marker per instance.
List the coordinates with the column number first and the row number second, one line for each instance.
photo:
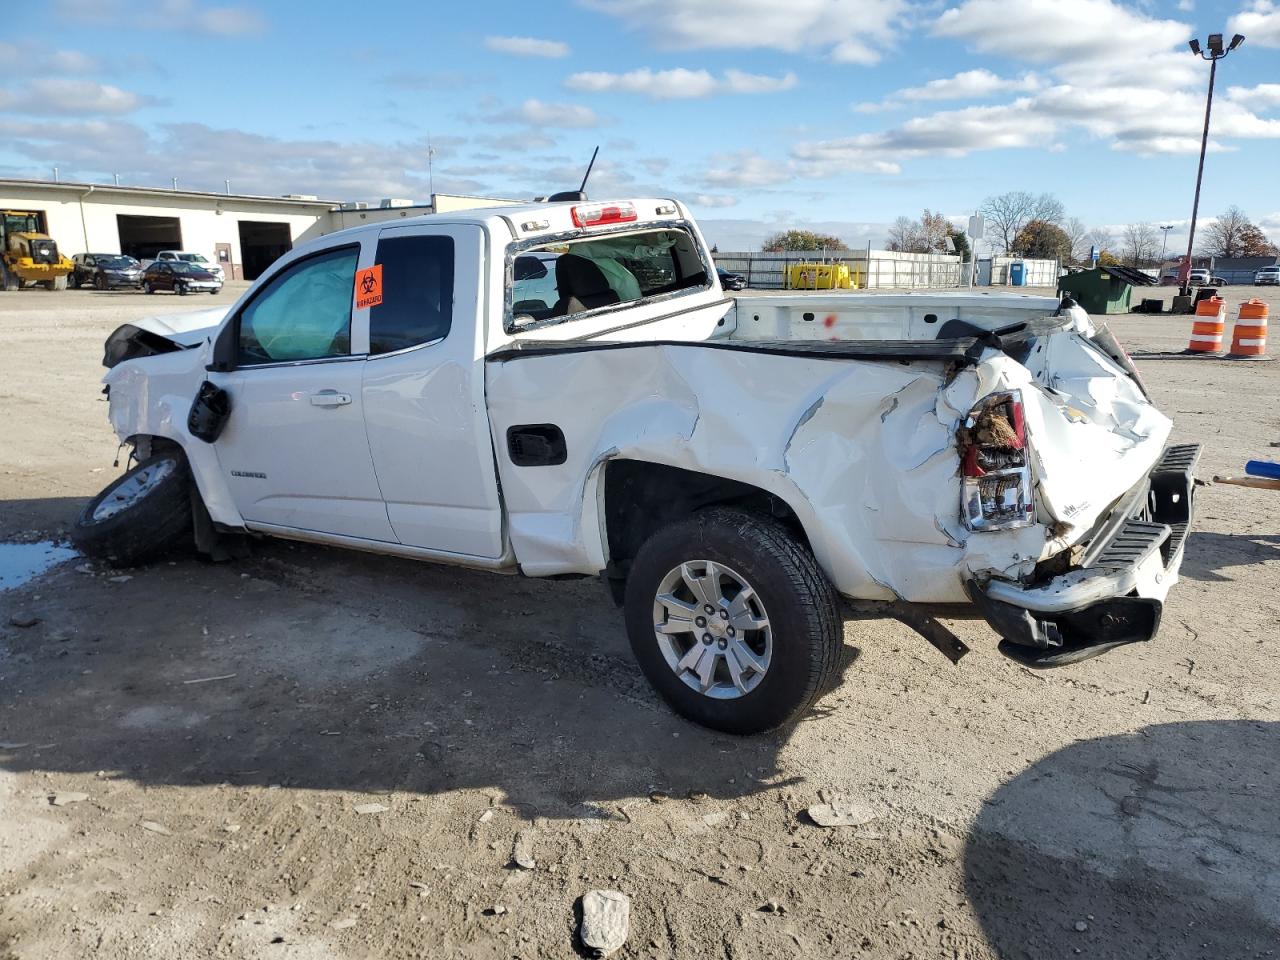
column 839, row 114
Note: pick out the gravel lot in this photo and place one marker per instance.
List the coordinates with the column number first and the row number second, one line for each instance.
column 1127, row 807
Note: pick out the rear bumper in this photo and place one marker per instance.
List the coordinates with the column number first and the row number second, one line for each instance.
column 1117, row 595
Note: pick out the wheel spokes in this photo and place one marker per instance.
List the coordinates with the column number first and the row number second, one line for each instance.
column 679, row 615
column 706, row 587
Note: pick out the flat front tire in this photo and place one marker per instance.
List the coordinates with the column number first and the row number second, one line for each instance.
column 142, row 515
column 733, row 621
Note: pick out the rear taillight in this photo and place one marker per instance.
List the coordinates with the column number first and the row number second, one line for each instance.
column 599, row 214
column 994, row 466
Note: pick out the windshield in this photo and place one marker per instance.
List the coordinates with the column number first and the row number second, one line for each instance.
column 117, row 262
column 192, row 258
column 181, row 267
column 20, row 222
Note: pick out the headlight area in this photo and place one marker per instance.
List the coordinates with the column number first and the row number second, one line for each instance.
column 128, row 342
column 996, row 490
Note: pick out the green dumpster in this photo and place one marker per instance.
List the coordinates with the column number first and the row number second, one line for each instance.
column 1104, row 289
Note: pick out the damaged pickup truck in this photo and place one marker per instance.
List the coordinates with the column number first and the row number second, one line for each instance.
column 564, row 389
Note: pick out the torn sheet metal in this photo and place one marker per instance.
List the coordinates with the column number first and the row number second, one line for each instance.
column 864, row 452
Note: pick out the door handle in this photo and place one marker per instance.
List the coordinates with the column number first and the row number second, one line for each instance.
column 330, row 398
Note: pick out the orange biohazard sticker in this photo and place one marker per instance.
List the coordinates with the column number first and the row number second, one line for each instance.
column 369, row 287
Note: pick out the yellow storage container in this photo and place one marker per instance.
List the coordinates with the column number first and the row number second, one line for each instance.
column 819, row 276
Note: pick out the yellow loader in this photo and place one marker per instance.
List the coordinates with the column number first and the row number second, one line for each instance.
column 28, row 254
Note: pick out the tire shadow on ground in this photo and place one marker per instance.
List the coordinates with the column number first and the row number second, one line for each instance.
column 1161, row 843
column 325, row 669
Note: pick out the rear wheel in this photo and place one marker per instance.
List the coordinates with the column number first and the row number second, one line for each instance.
column 733, row 621
column 140, row 516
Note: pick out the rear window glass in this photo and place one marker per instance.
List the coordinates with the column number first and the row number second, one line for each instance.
column 560, row 280
column 417, row 293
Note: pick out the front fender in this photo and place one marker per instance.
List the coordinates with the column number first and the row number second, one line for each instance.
column 151, row 396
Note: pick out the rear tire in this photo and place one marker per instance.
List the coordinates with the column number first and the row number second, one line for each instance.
column 142, row 515
column 799, row 649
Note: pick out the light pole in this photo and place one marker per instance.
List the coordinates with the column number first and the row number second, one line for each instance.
column 1164, row 243
column 1213, row 54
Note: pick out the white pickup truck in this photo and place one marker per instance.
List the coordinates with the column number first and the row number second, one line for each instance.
column 564, row 389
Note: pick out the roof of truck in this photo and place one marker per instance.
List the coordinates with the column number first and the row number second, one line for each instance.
column 557, row 216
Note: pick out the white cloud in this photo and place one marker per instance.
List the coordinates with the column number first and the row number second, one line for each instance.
column 1259, row 22
column 527, row 46
column 744, row 169
column 1047, row 31
column 967, row 85
column 850, row 31
column 70, row 97
column 202, row 156
column 72, row 61
column 190, row 16
column 540, row 113
column 678, row 83
column 1263, row 96
column 714, row 200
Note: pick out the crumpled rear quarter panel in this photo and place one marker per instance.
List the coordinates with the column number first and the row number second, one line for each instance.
column 863, row 452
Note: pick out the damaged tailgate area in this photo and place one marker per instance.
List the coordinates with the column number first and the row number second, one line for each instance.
column 1111, row 592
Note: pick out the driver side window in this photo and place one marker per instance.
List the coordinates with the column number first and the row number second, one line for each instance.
column 302, row 314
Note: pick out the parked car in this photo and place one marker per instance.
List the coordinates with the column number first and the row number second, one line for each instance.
column 178, row 276
column 198, row 260
column 105, row 271
column 1200, row 277
column 1169, row 278
column 731, row 281
column 1267, row 276
column 727, row 466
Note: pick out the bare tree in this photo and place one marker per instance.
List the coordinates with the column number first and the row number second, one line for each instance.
column 934, row 228
column 1099, row 237
column 1049, row 209
column 904, row 235
column 1075, row 230
column 1225, row 236
column 1007, row 214
column 1140, row 243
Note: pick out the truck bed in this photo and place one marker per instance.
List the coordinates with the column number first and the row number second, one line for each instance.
column 876, row 316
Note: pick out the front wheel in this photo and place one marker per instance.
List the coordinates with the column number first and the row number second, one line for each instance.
column 149, row 287
column 140, row 516
column 182, row 289
column 733, row 621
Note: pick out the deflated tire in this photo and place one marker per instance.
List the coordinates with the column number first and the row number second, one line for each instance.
column 142, row 515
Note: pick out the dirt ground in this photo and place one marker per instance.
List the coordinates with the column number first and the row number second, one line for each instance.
column 1127, row 807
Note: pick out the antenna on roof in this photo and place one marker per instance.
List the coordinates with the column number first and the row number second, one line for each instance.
column 581, row 192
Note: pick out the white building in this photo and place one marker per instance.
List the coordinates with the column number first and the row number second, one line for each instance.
column 244, row 233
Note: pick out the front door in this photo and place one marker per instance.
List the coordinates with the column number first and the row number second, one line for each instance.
column 295, row 451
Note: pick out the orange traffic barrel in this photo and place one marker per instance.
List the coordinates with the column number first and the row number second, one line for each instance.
column 1209, row 326
column 1249, row 335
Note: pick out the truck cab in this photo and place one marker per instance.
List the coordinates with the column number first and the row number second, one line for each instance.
column 564, row 389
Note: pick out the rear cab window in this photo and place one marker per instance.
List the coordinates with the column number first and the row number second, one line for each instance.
column 561, row 280
column 417, row 293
